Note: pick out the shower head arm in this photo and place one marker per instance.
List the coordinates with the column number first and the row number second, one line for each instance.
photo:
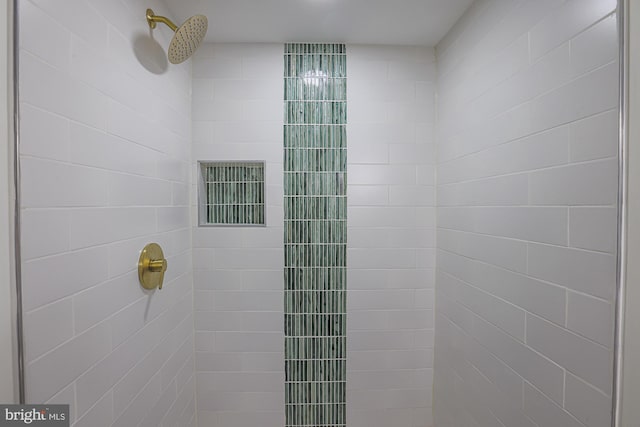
column 152, row 18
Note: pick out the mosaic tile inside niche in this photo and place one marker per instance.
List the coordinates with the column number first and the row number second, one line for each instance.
column 315, row 164
column 233, row 193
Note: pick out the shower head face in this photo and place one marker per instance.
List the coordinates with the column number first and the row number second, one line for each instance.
column 187, row 39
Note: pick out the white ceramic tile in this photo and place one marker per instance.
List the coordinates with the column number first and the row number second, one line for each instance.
column 587, row 404
column 389, row 279
column 381, row 175
column 367, row 69
column 80, row 269
column 238, row 382
column 161, row 407
column 128, row 321
column 506, row 127
column 45, row 134
column 595, row 47
column 235, row 131
column 120, row 82
column 590, row 94
column 505, row 253
column 128, row 124
column 412, row 71
column 259, row 258
column 511, row 190
column 100, row 302
column 593, row 228
column 141, row 405
column 589, row 272
column 74, row 16
column 180, row 194
column 566, row 22
column 533, row 367
column 390, row 320
column 148, row 368
column 579, row 356
column 262, row 110
column 380, row 340
column 35, row 223
column 51, row 89
column 591, row 318
column 397, row 417
column 545, row 412
column 551, row 71
column 394, row 379
column 73, row 186
column 185, row 373
column 254, row 301
column 48, row 327
column 594, row 137
column 378, row 132
column 232, row 89
column 219, row 111
column 364, row 238
column 367, row 112
column 381, row 258
column 489, row 402
column 90, row 147
column 56, row 47
column 360, row 90
column 504, row 378
column 589, row 184
column 220, row 67
column 172, row 218
column 98, row 226
column 263, row 280
column 183, row 407
column 100, row 415
column 45, row 375
column 368, row 153
column 89, row 64
column 548, row 225
column 533, row 152
column 507, row 317
column 381, row 300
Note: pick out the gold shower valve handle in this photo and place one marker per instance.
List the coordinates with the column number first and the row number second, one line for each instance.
column 158, row 265
column 151, row 266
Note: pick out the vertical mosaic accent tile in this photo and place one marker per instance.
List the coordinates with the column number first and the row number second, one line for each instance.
column 315, row 206
column 233, row 193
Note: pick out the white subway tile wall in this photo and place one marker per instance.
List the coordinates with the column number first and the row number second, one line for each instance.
column 105, row 154
column 238, row 104
column 527, row 188
column 237, row 110
column 391, row 229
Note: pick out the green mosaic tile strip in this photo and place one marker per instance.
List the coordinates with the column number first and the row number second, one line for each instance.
column 314, row 278
column 310, row 113
column 315, row 209
column 234, row 193
column 322, row 88
column 303, row 324
column 315, row 48
column 321, row 137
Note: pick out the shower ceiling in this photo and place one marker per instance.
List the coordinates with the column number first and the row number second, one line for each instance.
column 397, row 22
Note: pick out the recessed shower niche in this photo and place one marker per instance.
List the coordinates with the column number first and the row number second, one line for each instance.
column 231, row 193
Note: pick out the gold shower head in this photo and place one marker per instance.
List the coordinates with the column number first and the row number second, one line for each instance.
column 187, row 37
